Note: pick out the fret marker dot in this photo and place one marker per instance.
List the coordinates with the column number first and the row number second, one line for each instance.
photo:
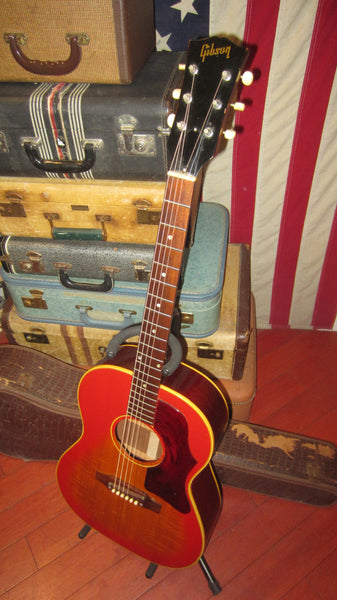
column 163, row 274
column 158, row 305
column 170, row 237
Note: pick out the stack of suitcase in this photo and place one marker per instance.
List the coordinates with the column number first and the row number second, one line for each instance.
column 83, row 163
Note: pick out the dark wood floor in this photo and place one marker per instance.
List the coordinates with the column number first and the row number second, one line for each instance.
column 263, row 548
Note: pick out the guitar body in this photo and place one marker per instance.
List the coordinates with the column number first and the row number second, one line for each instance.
column 151, row 489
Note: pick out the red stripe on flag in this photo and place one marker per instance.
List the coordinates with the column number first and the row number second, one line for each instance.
column 260, row 27
column 316, row 89
column 325, row 310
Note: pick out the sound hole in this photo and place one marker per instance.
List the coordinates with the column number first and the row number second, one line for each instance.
column 139, row 440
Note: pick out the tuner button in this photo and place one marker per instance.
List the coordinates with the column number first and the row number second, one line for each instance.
column 176, row 94
column 229, row 134
column 170, row 119
column 247, row 78
column 240, row 106
column 182, row 67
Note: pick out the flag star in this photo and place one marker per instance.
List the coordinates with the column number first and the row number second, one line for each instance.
column 185, row 7
column 161, row 41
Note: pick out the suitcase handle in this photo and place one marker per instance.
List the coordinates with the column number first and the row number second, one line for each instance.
column 61, row 166
column 105, row 286
column 47, row 67
column 100, row 324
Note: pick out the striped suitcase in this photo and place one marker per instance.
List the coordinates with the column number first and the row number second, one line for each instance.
column 83, row 131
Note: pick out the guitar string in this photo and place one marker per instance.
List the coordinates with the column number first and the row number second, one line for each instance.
column 137, row 396
column 147, row 369
column 140, row 407
column 159, row 286
column 137, row 381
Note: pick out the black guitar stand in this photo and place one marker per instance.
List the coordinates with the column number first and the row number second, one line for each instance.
column 213, row 583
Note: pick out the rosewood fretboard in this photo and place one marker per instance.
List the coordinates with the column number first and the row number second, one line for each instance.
column 161, row 297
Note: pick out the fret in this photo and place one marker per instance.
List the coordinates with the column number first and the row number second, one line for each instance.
column 160, row 299
column 171, row 248
column 163, row 282
column 174, row 202
column 164, row 224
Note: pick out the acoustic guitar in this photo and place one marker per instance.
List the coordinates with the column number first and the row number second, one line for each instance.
column 141, row 472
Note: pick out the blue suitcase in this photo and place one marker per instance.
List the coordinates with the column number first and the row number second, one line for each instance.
column 44, row 298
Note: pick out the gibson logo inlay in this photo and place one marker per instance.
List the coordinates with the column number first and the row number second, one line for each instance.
column 207, row 50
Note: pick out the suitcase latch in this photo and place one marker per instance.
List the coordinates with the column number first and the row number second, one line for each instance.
column 132, row 143
column 36, row 336
column 187, row 318
column 206, row 350
column 141, row 272
column 148, row 216
column 14, row 207
column 34, row 263
column 3, row 143
column 36, row 300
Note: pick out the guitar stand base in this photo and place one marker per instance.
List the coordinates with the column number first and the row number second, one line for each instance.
column 213, row 583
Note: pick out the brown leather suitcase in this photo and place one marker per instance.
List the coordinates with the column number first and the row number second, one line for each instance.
column 95, row 41
column 39, row 419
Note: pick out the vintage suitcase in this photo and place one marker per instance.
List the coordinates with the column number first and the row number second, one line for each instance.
column 224, row 352
column 105, row 41
column 86, row 346
column 45, row 299
column 117, row 211
column 90, row 131
column 68, row 259
column 39, row 420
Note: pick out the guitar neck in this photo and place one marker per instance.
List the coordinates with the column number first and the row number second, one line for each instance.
column 161, row 296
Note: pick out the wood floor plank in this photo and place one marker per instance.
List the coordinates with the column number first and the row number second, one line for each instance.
column 124, row 581
column 287, row 562
column 16, row 563
column 70, row 571
column 29, row 514
column 302, row 590
column 323, row 579
column 55, row 537
column 24, row 481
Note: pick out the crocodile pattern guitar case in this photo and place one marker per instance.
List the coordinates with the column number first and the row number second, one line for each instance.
column 39, row 420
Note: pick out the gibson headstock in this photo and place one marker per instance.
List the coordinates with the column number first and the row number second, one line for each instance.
column 213, row 67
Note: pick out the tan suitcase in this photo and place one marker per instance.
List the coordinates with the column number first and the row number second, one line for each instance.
column 120, row 209
column 94, row 41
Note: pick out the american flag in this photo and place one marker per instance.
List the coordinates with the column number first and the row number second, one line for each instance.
column 278, row 178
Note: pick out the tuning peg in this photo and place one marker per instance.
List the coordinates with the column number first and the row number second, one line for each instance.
column 240, row 106
column 170, row 119
column 247, row 78
column 229, row 134
column 176, row 94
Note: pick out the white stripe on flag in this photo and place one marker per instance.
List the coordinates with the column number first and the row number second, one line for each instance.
column 292, row 42
column 317, row 226
column 225, row 18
